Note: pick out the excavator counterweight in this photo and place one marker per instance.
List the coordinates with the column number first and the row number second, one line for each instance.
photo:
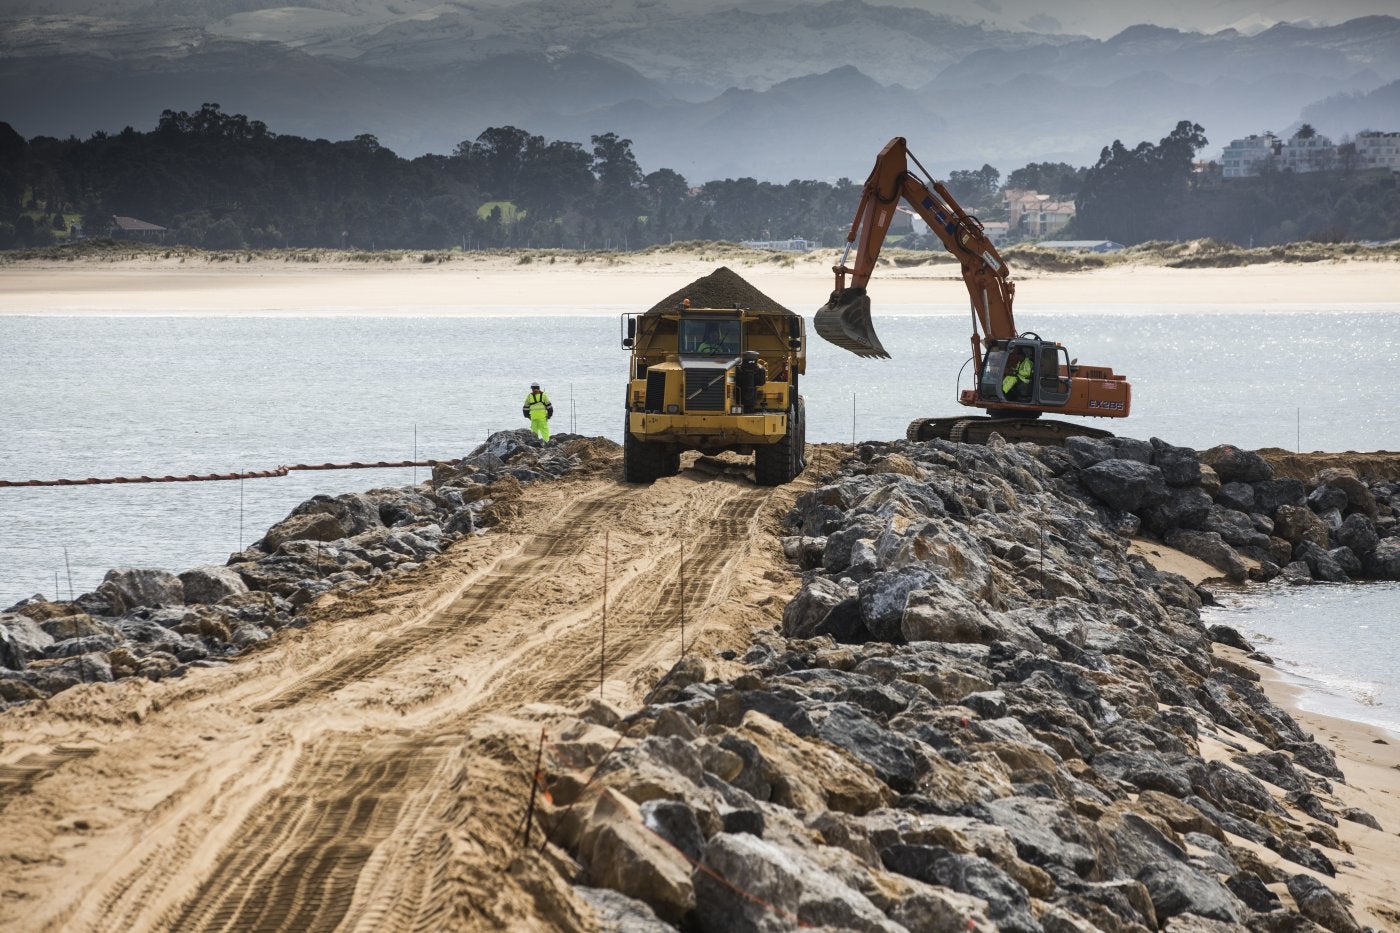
column 1017, row 376
column 845, row 321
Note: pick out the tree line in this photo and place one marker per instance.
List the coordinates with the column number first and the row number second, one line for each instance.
column 223, row 181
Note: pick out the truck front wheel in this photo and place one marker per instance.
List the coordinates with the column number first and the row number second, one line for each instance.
column 645, row 463
column 775, row 464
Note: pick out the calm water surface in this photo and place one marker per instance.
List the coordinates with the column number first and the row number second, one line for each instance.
column 122, row 396
column 1340, row 643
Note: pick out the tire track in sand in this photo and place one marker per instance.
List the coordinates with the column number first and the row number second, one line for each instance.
column 355, row 837
column 579, row 520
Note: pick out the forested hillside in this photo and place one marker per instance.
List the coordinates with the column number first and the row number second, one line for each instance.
column 224, row 181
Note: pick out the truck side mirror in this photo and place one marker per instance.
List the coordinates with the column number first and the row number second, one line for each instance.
column 795, row 333
column 630, row 340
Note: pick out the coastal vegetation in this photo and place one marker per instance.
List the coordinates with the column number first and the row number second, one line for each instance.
column 226, row 182
column 1192, row 254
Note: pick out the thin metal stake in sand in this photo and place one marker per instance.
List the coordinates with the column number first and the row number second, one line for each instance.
column 682, row 589
column 70, row 574
column 415, row 455
column 603, row 645
column 240, row 511
column 853, row 421
column 535, row 778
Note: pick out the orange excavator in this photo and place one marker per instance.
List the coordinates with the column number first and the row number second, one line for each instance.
column 1017, row 376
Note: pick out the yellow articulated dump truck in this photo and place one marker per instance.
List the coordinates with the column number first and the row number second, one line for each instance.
column 714, row 367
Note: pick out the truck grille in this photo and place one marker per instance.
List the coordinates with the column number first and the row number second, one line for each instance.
column 704, row 389
column 656, row 391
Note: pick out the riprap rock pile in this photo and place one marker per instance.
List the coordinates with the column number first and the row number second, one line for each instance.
column 981, row 712
column 1226, row 506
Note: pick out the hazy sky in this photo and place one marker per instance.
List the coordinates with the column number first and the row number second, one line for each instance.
column 1086, row 17
column 1090, row 17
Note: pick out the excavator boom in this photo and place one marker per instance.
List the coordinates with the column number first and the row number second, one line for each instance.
column 845, row 319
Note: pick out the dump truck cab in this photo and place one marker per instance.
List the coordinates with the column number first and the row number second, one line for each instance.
column 714, row 379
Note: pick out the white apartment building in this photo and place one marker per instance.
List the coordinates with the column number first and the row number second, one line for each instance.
column 1378, row 150
column 1242, row 156
column 1314, row 153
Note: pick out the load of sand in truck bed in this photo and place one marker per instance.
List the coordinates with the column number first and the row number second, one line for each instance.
column 723, row 288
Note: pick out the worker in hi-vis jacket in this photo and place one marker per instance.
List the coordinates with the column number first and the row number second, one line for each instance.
column 539, row 410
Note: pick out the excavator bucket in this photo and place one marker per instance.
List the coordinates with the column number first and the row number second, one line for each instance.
column 845, row 321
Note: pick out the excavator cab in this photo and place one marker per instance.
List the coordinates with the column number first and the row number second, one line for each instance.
column 1049, row 377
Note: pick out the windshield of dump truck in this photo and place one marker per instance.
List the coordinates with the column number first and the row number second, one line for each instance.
column 710, row 337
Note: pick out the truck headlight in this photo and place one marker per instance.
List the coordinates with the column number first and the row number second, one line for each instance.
column 736, row 409
column 673, row 409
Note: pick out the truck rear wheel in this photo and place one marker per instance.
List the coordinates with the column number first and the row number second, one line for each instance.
column 645, row 463
column 775, row 464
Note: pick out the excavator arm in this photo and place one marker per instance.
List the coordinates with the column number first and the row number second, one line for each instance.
column 845, row 319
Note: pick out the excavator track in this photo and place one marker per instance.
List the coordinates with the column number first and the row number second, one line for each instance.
column 1013, row 430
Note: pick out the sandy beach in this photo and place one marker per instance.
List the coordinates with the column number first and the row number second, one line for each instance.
column 1370, row 759
column 486, row 283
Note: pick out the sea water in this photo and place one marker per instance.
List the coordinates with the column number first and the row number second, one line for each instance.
column 1339, row 642
column 129, row 396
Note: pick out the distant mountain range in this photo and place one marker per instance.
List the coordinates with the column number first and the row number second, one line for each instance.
column 787, row 90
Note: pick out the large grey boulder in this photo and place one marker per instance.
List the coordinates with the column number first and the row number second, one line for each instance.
column 1178, row 888
column 1317, row 902
column 1384, row 562
column 26, row 635
column 781, row 889
column 620, row 853
column 308, row 526
column 1294, row 523
column 1184, row 507
column 1211, row 548
column 128, row 588
column 356, row 512
column 1087, row 451
column 884, row 597
column 1358, row 533
column 1179, row 465
column 1322, row 564
column 1359, row 496
column 1125, row 484
column 1235, row 528
column 1237, row 496
column 1325, row 498
column 210, row 584
column 1236, row 464
column 1008, row 904
column 1269, row 494
column 807, row 611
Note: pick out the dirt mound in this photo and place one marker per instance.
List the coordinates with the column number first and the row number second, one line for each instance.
column 1376, row 465
column 723, row 288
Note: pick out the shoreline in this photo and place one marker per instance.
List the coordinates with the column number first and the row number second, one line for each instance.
column 499, row 284
column 1369, row 756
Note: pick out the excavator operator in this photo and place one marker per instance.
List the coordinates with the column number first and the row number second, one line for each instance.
column 1017, row 381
